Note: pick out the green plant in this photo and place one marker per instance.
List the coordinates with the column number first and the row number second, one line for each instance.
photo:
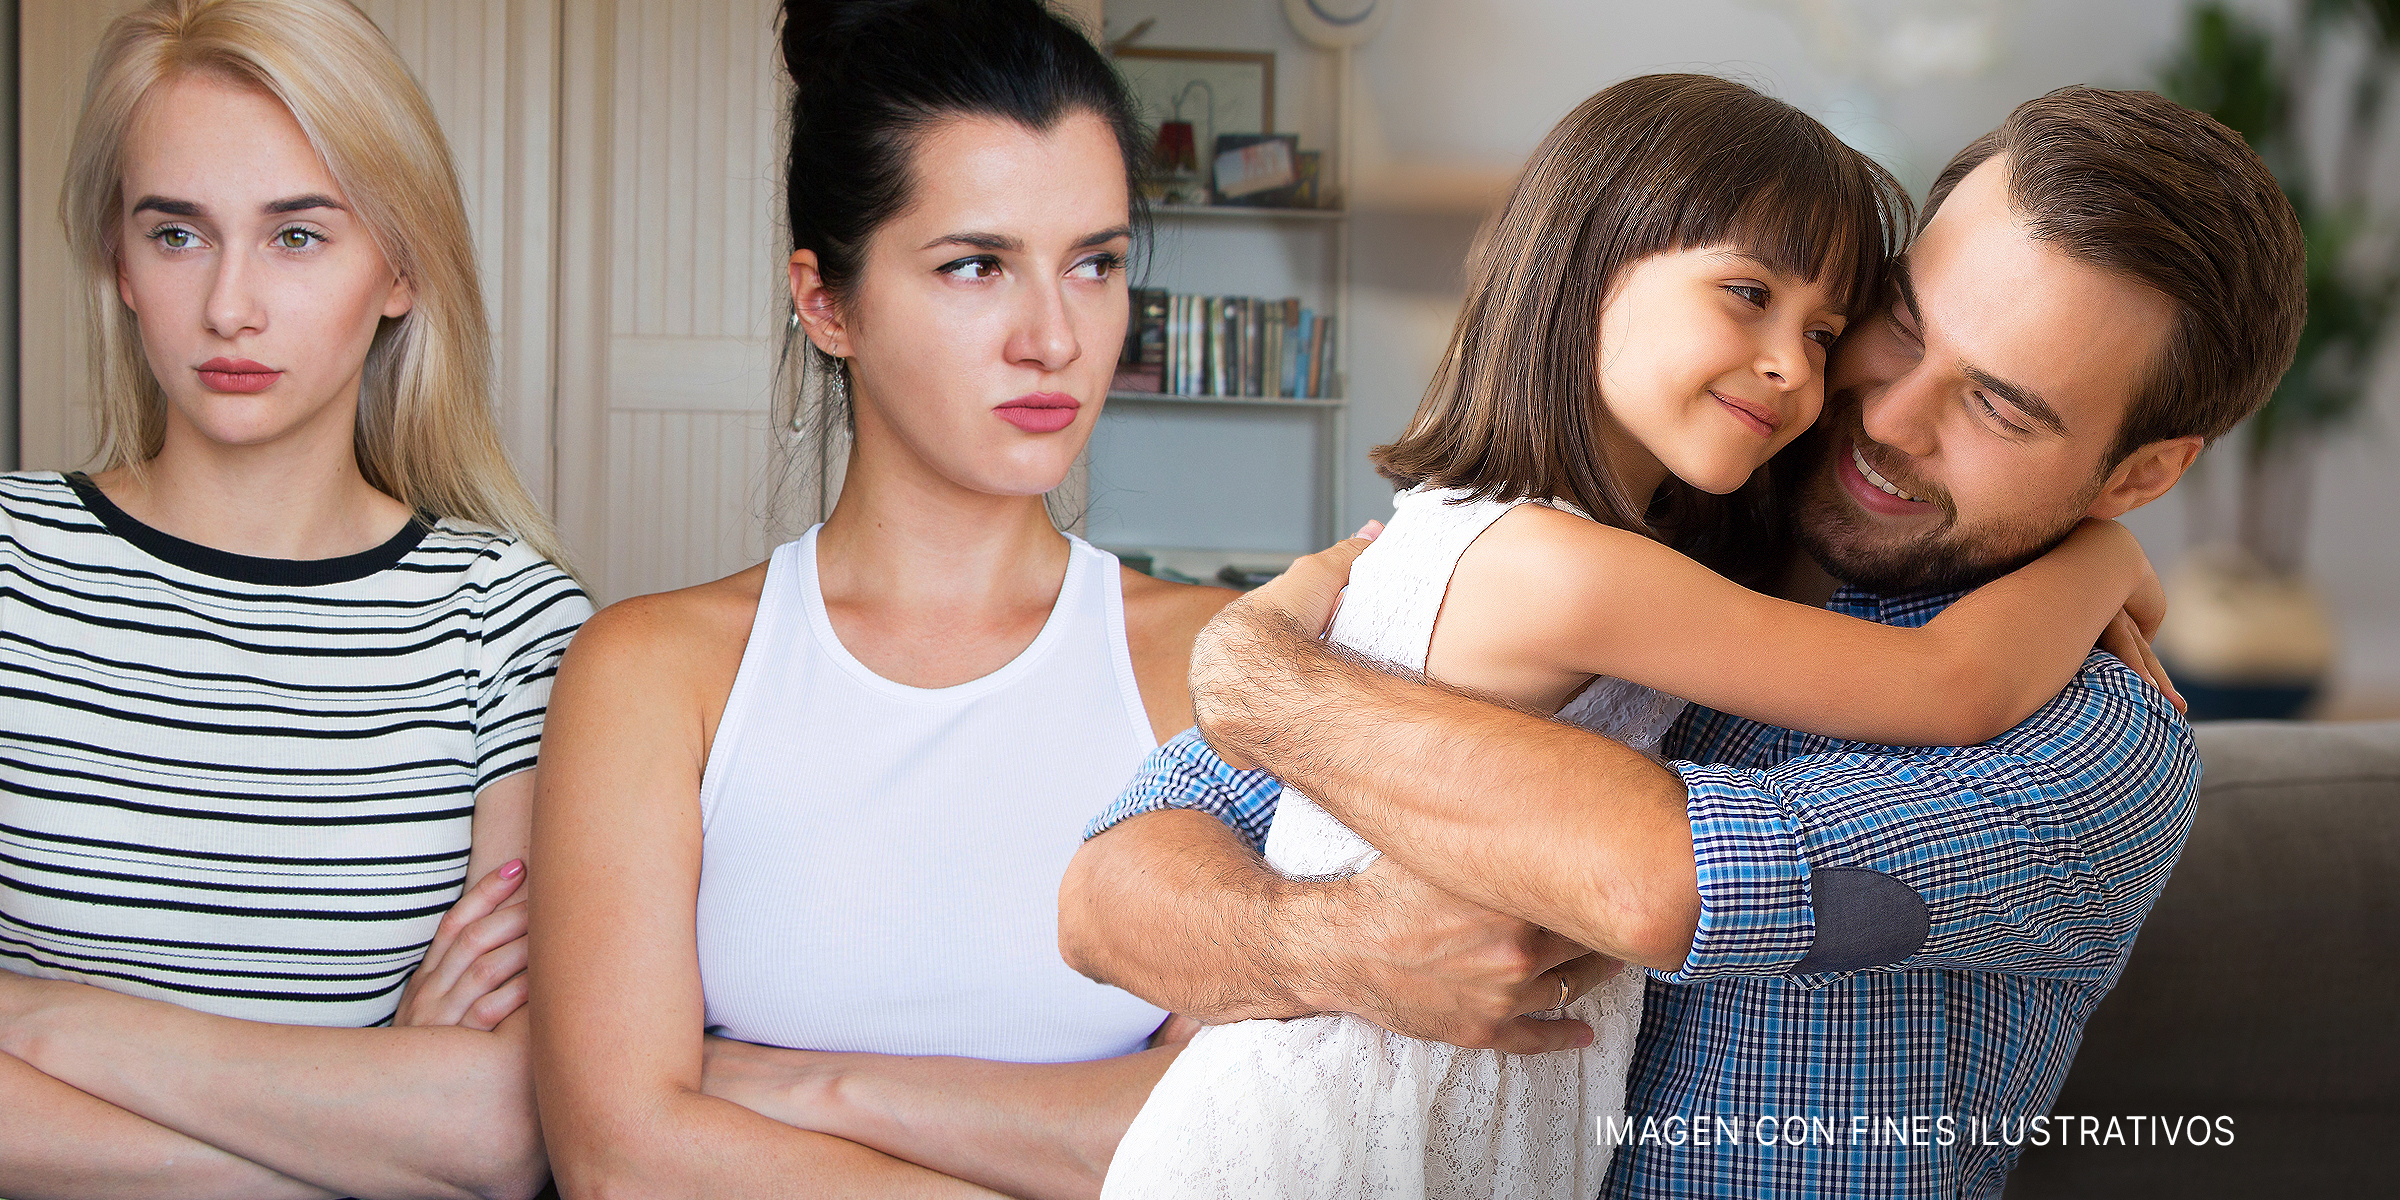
column 2233, row 69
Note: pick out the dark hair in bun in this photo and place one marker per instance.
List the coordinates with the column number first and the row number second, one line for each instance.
column 871, row 75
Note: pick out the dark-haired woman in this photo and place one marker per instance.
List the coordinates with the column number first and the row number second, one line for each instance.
column 802, row 828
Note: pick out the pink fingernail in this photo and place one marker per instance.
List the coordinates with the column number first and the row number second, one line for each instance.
column 1583, row 1039
column 512, row 868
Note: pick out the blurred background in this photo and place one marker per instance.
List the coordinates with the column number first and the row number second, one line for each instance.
column 620, row 158
column 2281, row 549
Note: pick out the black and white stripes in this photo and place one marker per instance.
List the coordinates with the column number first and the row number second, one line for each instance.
column 246, row 785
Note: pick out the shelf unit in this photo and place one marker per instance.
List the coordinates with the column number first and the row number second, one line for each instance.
column 1177, row 398
column 1203, row 482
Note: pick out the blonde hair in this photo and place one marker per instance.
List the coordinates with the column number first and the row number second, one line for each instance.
column 425, row 434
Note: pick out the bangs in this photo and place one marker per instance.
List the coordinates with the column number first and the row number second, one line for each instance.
column 1800, row 201
column 1822, row 235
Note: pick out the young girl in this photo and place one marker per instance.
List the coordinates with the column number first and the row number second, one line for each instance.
column 1647, row 326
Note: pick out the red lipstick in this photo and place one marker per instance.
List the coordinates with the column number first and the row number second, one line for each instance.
column 237, row 375
column 1040, row 412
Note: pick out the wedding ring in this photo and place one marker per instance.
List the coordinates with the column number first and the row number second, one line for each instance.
column 1562, row 992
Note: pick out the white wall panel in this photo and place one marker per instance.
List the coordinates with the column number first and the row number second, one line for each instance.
column 676, row 157
column 690, row 486
column 490, row 69
column 55, row 41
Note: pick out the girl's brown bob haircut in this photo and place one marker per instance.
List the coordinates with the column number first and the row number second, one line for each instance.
column 1654, row 164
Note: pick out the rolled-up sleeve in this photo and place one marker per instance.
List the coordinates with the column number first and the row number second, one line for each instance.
column 2036, row 853
column 1186, row 773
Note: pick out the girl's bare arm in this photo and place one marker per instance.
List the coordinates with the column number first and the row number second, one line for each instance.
column 1548, row 598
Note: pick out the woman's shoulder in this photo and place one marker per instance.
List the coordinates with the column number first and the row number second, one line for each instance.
column 44, row 498
column 699, row 630
column 1162, row 612
column 504, row 579
column 485, row 552
column 1162, row 620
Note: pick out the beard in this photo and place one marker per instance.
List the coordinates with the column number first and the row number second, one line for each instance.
column 1953, row 556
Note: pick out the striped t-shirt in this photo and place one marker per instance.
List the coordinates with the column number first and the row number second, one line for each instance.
column 246, row 785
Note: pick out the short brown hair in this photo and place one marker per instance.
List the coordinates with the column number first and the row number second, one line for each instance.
column 1651, row 165
column 2137, row 184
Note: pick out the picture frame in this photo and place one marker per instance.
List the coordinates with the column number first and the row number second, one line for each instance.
column 1216, row 91
column 1274, row 190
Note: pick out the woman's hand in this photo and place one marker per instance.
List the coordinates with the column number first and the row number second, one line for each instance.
column 795, row 1087
column 474, row 972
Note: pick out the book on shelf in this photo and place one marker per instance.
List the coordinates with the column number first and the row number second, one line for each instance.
column 1320, row 343
column 1228, row 346
column 1141, row 367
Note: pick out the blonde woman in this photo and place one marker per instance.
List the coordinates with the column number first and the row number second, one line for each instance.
column 275, row 673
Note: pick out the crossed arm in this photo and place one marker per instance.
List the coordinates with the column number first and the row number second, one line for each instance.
column 634, row 1099
column 108, row 1095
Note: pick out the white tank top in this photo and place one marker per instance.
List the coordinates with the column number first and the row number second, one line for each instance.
column 879, row 863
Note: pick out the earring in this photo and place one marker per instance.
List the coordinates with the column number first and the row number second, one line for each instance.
column 838, row 387
column 794, row 327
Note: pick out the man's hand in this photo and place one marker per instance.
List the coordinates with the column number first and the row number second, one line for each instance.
column 474, row 972
column 1421, row 962
column 1302, row 600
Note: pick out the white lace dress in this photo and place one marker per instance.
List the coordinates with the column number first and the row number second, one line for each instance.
column 1335, row 1106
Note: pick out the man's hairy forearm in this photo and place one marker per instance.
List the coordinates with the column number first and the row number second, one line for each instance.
column 441, row 1111
column 1179, row 910
column 1521, row 814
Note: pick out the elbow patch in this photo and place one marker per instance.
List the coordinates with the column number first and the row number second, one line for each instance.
column 1864, row 919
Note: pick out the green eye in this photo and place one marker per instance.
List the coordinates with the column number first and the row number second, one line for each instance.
column 174, row 239
column 295, row 239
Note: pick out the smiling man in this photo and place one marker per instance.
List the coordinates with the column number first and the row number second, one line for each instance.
column 1869, row 964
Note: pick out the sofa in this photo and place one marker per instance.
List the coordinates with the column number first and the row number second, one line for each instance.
column 2265, row 986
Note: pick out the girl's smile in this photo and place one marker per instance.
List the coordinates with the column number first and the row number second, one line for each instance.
column 1711, row 361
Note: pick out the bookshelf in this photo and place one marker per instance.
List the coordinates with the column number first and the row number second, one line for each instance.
column 1200, row 482
column 1122, row 397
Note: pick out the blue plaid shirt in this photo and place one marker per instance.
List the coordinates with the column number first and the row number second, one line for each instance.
column 2036, row 854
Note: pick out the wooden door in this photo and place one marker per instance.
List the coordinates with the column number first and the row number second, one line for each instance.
column 671, row 285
